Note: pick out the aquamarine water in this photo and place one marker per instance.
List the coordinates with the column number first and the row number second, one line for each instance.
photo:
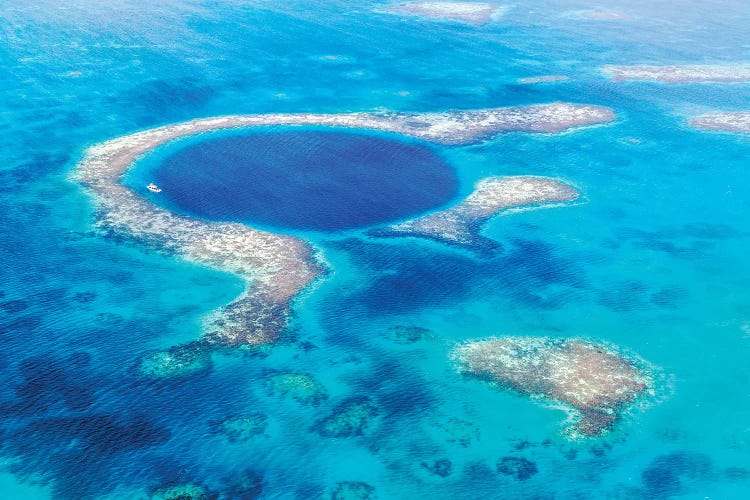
column 654, row 259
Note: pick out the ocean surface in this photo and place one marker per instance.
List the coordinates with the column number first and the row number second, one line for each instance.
column 653, row 259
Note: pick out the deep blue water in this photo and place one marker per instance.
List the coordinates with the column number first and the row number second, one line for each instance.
column 654, row 259
column 310, row 180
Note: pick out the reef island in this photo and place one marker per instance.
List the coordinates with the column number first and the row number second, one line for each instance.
column 691, row 73
column 594, row 382
column 542, row 79
column 275, row 267
column 729, row 121
column 466, row 12
column 460, row 225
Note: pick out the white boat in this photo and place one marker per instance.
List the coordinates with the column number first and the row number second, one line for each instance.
column 153, row 188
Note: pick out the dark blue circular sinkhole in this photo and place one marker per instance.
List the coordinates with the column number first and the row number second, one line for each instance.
column 320, row 180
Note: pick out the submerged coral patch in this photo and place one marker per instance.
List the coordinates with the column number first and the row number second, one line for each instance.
column 188, row 491
column 349, row 419
column 14, row 306
column 593, row 380
column 441, row 467
column 458, row 431
column 405, row 334
column 182, row 360
column 241, row 428
column 53, row 383
column 301, row 387
column 244, row 486
column 731, row 121
column 85, row 437
column 667, row 474
column 518, row 468
column 353, row 490
column 84, row 297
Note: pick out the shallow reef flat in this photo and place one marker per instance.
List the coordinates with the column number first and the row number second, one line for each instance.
column 691, row 73
column 594, row 382
column 467, row 127
column 542, row 79
column 275, row 267
column 460, row 225
column 466, row 12
column 600, row 15
column 729, row 121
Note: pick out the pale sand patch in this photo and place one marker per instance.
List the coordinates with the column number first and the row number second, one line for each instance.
column 543, row 79
column 467, row 12
column 692, row 73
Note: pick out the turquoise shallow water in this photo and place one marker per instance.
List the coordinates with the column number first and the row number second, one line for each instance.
column 654, row 259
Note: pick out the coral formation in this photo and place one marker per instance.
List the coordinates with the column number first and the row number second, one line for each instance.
column 518, row 468
column 353, row 490
column 403, row 334
column 459, row 431
column 466, row 12
column 182, row 360
column 241, row 428
column 594, row 381
column 349, row 419
column 735, row 121
column 244, row 486
column 691, row 73
column 301, row 387
column 441, row 467
column 188, row 491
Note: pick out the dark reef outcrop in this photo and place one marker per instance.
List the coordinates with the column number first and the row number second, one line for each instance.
column 518, row 468
column 349, row 419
